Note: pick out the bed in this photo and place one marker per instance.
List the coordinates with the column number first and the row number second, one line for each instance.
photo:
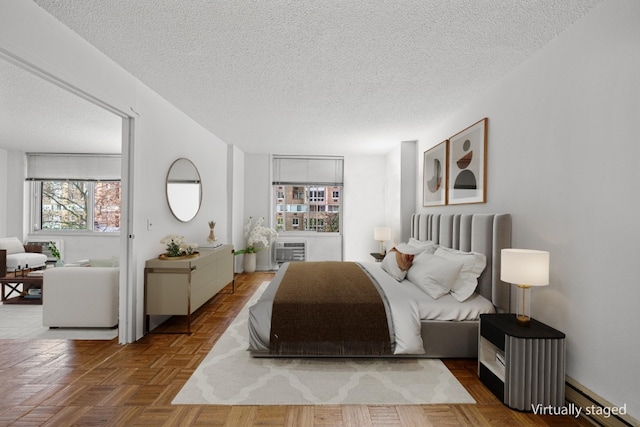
column 417, row 325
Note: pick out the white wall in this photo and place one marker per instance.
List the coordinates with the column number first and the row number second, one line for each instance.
column 162, row 133
column 393, row 195
column 364, row 205
column 400, row 190
column 562, row 159
column 257, row 200
column 236, row 207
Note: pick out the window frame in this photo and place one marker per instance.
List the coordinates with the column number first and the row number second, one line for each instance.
column 313, row 208
column 36, row 211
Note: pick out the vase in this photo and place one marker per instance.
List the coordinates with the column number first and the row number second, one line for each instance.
column 212, row 236
column 249, row 262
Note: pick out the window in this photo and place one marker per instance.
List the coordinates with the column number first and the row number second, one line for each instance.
column 311, row 187
column 316, row 194
column 75, row 192
column 77, row 206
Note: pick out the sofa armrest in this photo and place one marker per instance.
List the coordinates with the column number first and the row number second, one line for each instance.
column 80, row 297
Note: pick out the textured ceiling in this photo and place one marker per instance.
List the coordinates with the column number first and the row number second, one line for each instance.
column 37, row 116
column 330, row 76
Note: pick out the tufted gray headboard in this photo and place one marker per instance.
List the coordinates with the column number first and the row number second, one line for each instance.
column 483, row 233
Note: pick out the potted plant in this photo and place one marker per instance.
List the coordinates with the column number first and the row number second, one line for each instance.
column 177, row 247
column 55, row 253
column 257, row 238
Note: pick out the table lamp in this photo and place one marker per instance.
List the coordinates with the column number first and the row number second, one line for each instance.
column 524, row 268
column 382, row 234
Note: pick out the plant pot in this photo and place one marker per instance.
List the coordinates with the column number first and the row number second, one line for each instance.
column 249, row 263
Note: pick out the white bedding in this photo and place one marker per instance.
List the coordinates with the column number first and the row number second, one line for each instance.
column 407, row 303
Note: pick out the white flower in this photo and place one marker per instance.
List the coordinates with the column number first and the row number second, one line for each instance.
column 259, row 235
column 173, row 238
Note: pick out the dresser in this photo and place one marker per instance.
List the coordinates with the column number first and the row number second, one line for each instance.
column 181, row 286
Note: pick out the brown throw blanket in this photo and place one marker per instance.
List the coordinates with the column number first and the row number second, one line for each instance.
column 328, row 308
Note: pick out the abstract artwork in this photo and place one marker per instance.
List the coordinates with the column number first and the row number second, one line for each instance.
column 435, row 175
column 468, row 164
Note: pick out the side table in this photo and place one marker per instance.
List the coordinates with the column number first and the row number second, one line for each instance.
column 522, row 366
column 27, row 282
column 377, row 256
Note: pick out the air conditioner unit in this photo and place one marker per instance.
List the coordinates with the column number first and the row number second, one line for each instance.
column 291, row 251
column 45, row 247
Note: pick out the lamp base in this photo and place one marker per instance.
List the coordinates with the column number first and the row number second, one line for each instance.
column 523, row 320
column 523, row 308
column 382, row 248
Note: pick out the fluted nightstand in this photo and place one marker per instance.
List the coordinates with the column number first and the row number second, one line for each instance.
column 522, row 366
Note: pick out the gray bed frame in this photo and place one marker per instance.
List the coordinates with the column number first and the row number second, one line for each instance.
column 483, row 233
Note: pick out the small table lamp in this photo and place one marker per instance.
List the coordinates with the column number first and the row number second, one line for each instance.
column 524, row 268
column 382, row 234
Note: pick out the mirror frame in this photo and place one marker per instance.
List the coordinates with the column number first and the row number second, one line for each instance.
column 197, row 180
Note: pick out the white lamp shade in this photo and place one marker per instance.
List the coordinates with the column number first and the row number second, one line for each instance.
column 382, row 233
column 525, row 267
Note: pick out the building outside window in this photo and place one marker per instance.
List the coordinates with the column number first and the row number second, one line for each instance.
column 318, row 214
column 301, row 190
column 77, row 206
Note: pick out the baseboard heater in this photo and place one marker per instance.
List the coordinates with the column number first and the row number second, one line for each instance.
column 594, row 407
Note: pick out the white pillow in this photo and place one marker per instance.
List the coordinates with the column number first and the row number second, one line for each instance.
column 390, row 265
column 12, row 245
column 433, row 274
column 426, row 245
column 473, row 265
column 405, row 248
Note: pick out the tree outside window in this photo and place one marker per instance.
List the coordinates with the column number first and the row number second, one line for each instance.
column 69, row 205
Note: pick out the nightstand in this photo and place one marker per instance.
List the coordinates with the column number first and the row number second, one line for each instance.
column 377, row 256
column 522, row 366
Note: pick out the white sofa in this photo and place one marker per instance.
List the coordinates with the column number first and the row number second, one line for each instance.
column 85, row 297
column 16, row 256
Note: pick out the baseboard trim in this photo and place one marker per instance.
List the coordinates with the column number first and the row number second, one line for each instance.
column 584, row 398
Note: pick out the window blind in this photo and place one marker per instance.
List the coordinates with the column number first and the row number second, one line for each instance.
column 316, row 170
column 73, row 167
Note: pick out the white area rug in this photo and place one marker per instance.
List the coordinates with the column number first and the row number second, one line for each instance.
column 25, row 322
column 230, row 376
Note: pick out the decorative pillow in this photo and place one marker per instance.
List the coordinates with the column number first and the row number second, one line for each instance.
column 390, row 265
column 426, row 245
column 473, row 265
column 396, row 263
column 433, row 274
column 12, row 245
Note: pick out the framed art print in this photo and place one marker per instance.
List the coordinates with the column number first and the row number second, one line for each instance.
column 468, row 164
column 435, row 175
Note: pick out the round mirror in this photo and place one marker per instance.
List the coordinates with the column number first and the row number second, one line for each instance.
column 184, row 190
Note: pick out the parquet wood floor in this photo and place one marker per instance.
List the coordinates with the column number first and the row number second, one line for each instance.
column 101, row 383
